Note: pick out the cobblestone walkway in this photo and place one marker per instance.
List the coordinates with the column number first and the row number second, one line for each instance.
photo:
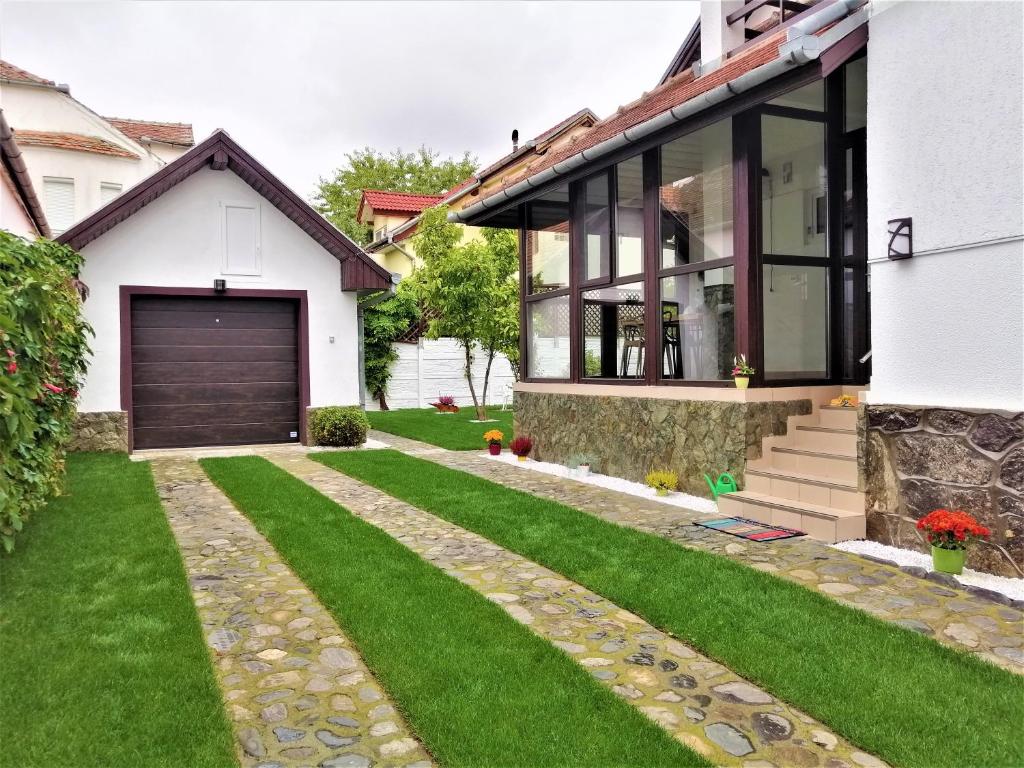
column 699, row 701
column 930, row 606
column 295, row 689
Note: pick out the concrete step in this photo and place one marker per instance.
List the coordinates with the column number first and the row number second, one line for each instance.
column 825, row 439
column 835, row 416
column 799, row 486
column 837, row 468
column 820, row 522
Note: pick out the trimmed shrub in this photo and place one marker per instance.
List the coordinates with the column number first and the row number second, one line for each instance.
column 338, row 426
column 42, row 360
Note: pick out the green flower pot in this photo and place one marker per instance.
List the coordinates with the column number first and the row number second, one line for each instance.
column 948, row 560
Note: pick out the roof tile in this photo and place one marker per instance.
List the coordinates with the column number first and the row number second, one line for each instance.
column 75, row 142
column 169, row 133
column 401, row 202
column 10, row 72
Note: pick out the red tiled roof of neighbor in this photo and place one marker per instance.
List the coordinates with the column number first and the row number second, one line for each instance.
column 168, row 133
column 679, row 89
column 397, row 202
column 10, row 72
column 75, row 142
column 460, row 186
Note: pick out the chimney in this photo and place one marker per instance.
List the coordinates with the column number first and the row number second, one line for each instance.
column 515, row 139
column 718, row 37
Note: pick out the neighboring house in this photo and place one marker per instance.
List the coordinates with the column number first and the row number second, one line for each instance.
column 77, row 159
column 738, row 208
column 224, row 307
column 392, row 217
column 21, row 212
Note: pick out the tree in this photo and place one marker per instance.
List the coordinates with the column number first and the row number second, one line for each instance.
column 367, row 168
column 383, row 324
column 471, row 290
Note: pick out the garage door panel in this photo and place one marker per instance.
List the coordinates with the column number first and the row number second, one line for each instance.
column 199, row 394
column 199, row 354
column 212, row 337
column 211, row 319
column 190, row 304
column 214, row 373
column 215, row 434
column 220, row 413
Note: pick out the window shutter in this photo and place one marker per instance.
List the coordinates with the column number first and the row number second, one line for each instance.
column 59, row 199
column 108, row 191
column 241, row 240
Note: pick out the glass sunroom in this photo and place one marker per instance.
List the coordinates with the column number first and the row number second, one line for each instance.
column 739, row 231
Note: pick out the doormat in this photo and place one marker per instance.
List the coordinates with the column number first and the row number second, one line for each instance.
column 750, row 529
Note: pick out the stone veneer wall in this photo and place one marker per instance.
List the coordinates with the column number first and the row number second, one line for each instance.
column 914, row 460
column 633, row 435
column 100, row 431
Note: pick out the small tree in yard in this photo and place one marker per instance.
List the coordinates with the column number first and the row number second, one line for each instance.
column 470, row 289
column 383, row 323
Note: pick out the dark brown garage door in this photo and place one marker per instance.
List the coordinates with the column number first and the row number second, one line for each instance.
column 214, row 371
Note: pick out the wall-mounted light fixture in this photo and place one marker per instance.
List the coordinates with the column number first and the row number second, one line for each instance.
column 220, row 285
column 901, row 238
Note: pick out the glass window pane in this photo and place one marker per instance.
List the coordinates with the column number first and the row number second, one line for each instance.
column 547, row 331
column 629, row 217
column 795, row 322
column 597, row 227
column 613, row 332
column 794, row 210
column 810, row 96
column 547, row 241
column 696, row 196
column 856, row 107
column 698, row 341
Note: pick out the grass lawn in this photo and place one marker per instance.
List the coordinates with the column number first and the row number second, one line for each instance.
column 891, row 691
column 477, row 687
column 452, row 431
column 103, row 660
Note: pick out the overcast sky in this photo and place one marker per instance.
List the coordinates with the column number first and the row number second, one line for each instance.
column 301, row 84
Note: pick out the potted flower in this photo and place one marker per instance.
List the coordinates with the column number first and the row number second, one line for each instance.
column 949, row 533
column 582, row 463
column 741, row 371
column 446, row 404
column 662, row 481
column 521, row 447
column 494, row 438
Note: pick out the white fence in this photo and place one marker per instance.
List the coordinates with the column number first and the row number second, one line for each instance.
column 430, row 368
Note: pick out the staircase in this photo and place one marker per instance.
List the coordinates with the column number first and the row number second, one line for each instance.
column 806, row 479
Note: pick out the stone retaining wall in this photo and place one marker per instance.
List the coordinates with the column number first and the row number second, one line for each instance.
column 633, row 435
column 100, row 431
column 914, row 460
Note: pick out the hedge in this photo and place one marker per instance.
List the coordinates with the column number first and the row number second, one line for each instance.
column 42, row 360
column 335, row 425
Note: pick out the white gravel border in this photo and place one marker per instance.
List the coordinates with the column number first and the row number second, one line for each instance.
column 1012, row 588
column 684, row 500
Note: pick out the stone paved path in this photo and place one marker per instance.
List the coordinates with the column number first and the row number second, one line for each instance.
column 699, row 701
column 295, row 688
column 950, row 615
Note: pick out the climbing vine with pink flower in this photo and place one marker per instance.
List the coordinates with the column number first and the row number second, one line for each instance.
column 43, row 349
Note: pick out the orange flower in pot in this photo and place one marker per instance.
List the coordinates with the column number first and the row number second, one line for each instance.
column 494, row 438
column 950, row 533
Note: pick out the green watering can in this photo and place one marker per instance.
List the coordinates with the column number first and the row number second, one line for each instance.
column 724, row 484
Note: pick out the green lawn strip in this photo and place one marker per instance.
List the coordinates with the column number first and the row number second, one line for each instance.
column 891, row 691
column 103, row 661
column 477, row 687
column 453, row 431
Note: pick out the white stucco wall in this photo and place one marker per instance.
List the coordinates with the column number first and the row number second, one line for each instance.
column 177, row 241
column 13, row 216
column 46, row 109
column 944, row 147
column 433, row 367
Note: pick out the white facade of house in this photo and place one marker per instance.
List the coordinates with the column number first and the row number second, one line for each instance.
column 947, row 326
column 13, row 216
column 178, row 241
column 93, row 176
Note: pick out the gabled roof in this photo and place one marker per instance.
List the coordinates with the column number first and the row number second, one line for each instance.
column 220, row 152
column 396, row 202
column 178, row 134
column 537, row 145
column 18, row 75
column 75, row 142
column 15, row 169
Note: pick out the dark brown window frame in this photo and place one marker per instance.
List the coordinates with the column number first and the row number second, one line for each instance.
column 747, row 260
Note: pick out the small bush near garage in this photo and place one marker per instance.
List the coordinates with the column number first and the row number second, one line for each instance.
column 337, row 426
column 42, row 360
